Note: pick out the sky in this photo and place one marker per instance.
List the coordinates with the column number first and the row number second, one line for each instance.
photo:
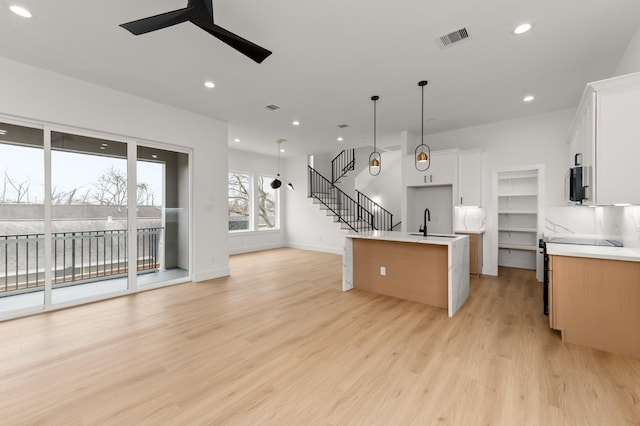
column 68, row 171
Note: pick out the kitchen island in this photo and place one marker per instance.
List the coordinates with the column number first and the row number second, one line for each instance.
column 433, row 270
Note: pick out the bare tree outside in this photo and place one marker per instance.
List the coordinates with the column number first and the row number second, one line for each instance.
column 266, row 204
column 239, row 204
column 240, row 196
column 109, row 190
column 20, row 189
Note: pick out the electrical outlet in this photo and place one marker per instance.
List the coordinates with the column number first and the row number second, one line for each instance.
column 383, row 271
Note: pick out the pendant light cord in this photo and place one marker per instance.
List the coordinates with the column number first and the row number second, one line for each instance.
column 374, row 124
column 422, row 114
column 279, row 145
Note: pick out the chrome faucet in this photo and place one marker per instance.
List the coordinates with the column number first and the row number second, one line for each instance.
column 427, row 217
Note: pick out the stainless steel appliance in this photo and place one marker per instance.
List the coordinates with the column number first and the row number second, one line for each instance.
column 579, row 180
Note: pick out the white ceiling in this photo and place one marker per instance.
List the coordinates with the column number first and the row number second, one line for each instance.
column 330, row 57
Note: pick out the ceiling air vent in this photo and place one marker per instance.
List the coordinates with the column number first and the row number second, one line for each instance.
column 272, row 107
column 342, row 126
column 454, row 37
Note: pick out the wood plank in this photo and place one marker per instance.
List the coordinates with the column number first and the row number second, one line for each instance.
column 279, row 343
column 416, row 272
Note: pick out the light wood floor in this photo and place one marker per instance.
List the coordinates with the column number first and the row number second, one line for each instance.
column 278, row 343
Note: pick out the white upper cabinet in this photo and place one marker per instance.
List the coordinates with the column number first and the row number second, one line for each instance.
column 470, row 178
column 604, row 139
column 442, row 171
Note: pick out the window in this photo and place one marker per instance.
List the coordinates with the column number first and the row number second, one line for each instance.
column 244, row 193
column 267, row 204
column 239, row 202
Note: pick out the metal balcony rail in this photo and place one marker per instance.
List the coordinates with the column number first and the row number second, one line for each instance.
column 382, row 218
column 77, row 257
column 342, row 163
column 345, row 208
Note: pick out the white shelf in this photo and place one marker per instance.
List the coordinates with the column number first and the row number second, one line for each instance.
column 518, row 212
column 525, row 174
column 519, row 194
column 517, row 247
column 518, row 229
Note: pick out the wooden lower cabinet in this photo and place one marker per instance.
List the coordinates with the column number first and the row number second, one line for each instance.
column 475, row 253
column 596, row 303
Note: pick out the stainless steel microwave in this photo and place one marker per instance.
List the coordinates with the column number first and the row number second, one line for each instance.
column 576, row 187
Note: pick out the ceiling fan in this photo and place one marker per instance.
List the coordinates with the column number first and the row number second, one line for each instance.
column 200, row 13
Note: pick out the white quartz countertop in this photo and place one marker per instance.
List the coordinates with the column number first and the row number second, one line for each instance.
column 596, row 252
column 408, row 237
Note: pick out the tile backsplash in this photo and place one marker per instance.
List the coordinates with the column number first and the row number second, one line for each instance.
column 469, row 219
column 617, row 223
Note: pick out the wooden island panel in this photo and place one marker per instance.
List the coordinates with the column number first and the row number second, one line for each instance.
column 417, row 272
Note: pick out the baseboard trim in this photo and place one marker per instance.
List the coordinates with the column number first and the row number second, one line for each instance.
column 210, row 275
column 249, row 249
column 312, row 247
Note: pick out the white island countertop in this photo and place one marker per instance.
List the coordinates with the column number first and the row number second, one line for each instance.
column 630, row 254
column 409, row 237
column 457, row 260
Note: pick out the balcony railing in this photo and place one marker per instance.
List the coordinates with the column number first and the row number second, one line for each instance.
column 77, row 257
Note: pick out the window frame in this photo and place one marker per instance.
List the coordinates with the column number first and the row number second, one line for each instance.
column 251, row 201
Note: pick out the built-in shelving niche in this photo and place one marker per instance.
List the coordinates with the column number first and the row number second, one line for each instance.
column 518, row 204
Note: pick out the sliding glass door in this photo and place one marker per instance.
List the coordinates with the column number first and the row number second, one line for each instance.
column 22, row 262
column 89, row 217
column 162, row 215
column 70, row 229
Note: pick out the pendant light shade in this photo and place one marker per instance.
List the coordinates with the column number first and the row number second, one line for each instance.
column 375, row 159
column 423, row 152
column 277, row 183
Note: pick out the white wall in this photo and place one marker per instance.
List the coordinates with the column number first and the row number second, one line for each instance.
column 35, row 94
column 630, row 61
column 259, row 165
column 384, row 187
column 538, row 139
column 308, row 227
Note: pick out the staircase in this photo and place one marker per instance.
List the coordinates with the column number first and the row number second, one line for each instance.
column 342, row 164
column 358, row 215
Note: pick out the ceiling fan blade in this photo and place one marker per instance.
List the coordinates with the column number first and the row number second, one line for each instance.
column 157, row 22
column 242, row 45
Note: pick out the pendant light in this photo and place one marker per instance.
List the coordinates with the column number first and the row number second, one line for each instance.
column 277, row 183
column 375, row 160
column 423, row 152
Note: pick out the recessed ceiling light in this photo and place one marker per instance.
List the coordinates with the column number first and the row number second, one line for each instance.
column 528, row 98
column 340, row 139
column 281, row 149
column 3, row 132
column 209, row 84
column 522, row 28
column 296, row 123
column 102, row 147
column 20, row 11
column 154, row 155
column 104, row 144
column 236, row 140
